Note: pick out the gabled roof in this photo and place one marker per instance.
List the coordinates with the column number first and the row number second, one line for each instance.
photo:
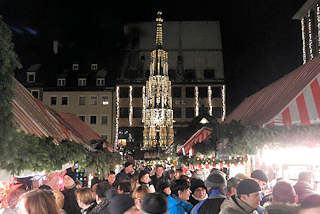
column 264, row 106
column 33, row 117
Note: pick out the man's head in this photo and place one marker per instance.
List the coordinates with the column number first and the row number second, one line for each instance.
column 181, row 188
column 128, row 167
column 248, row 190
column 154, row 203
column 306, row 177
column 144, row 177
column 284, row 192
column 159, row 170
column 178, row 173
column 261, row 178
column 111, row 177
column 216, row 181
column 232, row 184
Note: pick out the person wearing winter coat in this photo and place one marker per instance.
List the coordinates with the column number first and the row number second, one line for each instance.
column 216, row 184
column 304, row 186
column 126, row 173
column 178, row 200
column 86, row 200
column 246, row 201
column 101, row 198
column 198, row 191
column 144, row 179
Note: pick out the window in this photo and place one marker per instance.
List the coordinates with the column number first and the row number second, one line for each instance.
column 35, row 93
column 142, row 58
column 83, row 118
column 124, row 112
column 203, row 110
column 217, row 112
column 124, row 92
column 137, row 112
column 137, row 92
column 53, row 101
column 176, row 92
column 209, row 74
column 94, row 67
column 64, row 101
column 75, row 67
column 61, row 82
column 105, row 100
column 104, row 120
column 190, row 92
column 189, row 74
column 31, row 77
column 177, row 113
column 82, row 82
column 82, row 100
column 100, row 82
column 216, row 92
column 190, row 112
column 93, row 119
column 93, row 100
column 203, row 92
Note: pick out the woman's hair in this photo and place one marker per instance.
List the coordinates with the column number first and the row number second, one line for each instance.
column 38, row 201
column 140, row 191
column 85, row 195
column 125, row 186
column 179, row 184
column 59, row 197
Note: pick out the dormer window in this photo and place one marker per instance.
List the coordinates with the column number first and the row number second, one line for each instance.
column 94, row 67
column 82, row 82
column 61, row 82
column 75, row 67
column 100, row 82
column 31, row 77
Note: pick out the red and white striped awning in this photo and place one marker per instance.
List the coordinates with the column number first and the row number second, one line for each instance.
column 197, row 137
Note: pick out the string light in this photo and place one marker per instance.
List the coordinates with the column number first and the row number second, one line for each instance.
column 130, row 105
column 303, row 41
column 143, row 102
column 223, row 102
column 117, row 116
column 210, row 100
column 196, row 92
column 310, row 35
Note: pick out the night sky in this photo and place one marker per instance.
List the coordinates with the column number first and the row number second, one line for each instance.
column 261, row 42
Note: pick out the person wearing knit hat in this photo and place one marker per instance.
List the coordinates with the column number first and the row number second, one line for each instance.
column 144, row 179
column 154, row 203
column 120, row 204
column 198, row 191
column 246, row 201
column 216, row 185
column 261, row 178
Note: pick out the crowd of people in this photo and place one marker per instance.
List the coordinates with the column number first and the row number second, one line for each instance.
column 160, row 191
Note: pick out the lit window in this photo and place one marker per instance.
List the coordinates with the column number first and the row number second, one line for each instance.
column 93, row 119
column 35, row 93
column 100, row 82
column 61, row 82
column 75, row 67
column 82, row 82
column 31, row 77
column 105, row 100
column 53, row 101
column 82, row 100
column 64, row 101
column 94, row 67
column 93, row 100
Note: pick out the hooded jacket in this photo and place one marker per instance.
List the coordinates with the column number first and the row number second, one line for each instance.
column 234, row 205
column 178, row 206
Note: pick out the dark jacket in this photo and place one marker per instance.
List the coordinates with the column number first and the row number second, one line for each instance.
column 281, row 208
column 155, row 181
column 101, row 208
column 121, row 176
column 235, row 205
column 211, row 204
column 70, row 202
column 89, row 209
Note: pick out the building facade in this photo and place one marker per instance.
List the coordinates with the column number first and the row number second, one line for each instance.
column 195, row 68
column 309, row 16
